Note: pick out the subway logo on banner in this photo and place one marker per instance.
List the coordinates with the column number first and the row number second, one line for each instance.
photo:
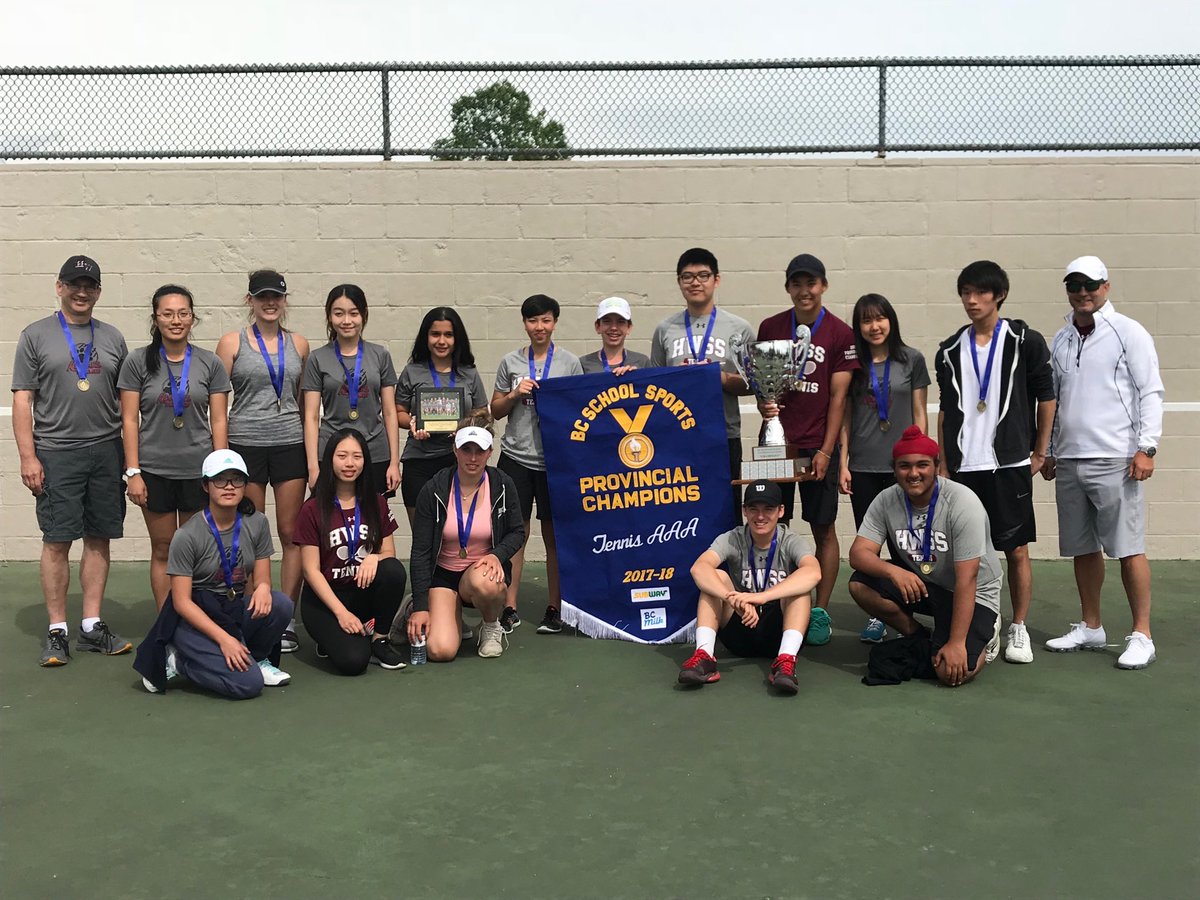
column 647, row 595
column 653, row 619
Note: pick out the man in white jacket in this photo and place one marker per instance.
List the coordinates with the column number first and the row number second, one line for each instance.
column 1106, row 434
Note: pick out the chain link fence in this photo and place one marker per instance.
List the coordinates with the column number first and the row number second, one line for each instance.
column 876, row 106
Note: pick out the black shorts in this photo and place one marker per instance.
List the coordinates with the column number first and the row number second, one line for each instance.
column 865, row 487
column 274, row 465
column 531, row 485
column 818, row 499
column 83, row 494
column 761, row 641
column 168, row 495
column 379, row 476
column 445, row 578
column 1007, row 496
column 418, row 470
column 939, row 604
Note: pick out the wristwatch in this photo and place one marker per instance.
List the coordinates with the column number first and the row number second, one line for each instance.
column 131, row 471
column 1149, row 451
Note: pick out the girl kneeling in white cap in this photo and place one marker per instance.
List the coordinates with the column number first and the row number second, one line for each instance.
column 221, row 623
column 466, row 528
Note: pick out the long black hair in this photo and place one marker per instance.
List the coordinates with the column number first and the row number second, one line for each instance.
column 869, row 305
column 364, row 491
column 355, row 295
column 153, row 357
column 460, row 356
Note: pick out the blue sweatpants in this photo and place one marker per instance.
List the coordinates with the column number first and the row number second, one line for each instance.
column 200, row 659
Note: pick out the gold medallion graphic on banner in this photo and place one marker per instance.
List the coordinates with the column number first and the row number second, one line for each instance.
column 635, row 449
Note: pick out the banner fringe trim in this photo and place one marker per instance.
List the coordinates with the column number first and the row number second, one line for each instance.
column 586, row 623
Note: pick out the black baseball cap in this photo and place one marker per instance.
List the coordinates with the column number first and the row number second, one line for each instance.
column 266, row 281
column 806, row 263
column 763, row 491
column 79, row 267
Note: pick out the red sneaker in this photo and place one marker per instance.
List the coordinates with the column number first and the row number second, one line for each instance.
column 783, row 674
column 700, row 668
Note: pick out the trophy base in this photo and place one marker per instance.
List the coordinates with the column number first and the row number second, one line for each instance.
column 795, row 469
column 774, row 451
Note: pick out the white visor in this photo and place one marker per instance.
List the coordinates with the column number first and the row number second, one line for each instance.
column 473, row 435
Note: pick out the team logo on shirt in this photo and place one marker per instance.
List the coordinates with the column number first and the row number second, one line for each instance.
column 94, row 367
column 164, row 394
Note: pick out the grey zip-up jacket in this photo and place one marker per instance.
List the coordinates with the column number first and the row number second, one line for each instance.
column 429, row 519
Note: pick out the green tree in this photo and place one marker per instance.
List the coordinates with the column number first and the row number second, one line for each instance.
column 499, row 118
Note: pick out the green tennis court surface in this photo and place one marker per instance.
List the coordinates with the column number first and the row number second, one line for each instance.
column 576, row 768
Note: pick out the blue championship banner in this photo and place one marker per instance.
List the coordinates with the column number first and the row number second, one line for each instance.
column 639, row 479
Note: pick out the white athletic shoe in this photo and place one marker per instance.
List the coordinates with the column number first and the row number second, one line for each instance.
column 1018, row 649
column 1080, row 637
column 272, row 675
column 491, row 639
column 993, row 646
column 1139, row 652
column 172, row 670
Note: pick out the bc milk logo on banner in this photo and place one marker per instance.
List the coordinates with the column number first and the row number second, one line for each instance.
column 639, row 475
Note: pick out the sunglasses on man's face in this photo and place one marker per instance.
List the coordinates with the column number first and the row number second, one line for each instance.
column 1075, row 285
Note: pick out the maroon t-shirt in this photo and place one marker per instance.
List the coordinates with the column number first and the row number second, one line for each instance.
column 336, row 565
column 832, row 350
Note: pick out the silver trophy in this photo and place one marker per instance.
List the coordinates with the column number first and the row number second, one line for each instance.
column 772, row 368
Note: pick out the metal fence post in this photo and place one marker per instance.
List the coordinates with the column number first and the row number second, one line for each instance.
column 881, row 152
column 387, row 114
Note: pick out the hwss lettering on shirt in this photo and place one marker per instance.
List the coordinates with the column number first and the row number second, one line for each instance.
column 715, row 347
column 773, row 579
column 339, row 543
column 911, row 543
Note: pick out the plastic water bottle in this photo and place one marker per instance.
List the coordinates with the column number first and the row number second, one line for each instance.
column 416, row 652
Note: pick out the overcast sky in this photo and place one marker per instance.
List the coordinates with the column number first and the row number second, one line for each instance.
column 124, row 32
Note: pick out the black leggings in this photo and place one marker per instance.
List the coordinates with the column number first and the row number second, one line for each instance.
column 350, row 653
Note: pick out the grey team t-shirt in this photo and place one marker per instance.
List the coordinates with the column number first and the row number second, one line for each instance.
column 417, row 375
column 594, row 362
column 324, row 375
column 960, row 532
column 194, row 553
column 65, row 417
column 870, row 448
column 669, row 347
column 522, row 437
column 736, row 549
column 163, row 449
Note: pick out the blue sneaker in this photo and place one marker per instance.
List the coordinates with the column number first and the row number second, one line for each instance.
column 874, row 632
column 820, row 628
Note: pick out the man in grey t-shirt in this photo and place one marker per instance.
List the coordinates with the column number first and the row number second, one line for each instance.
column 67, row 424
column 938, row 533
column 702, row 334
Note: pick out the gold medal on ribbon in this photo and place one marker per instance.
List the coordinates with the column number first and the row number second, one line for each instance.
column 231, row 594
column 981, row 405
column 177, row 421
column 83, row 384
column 926, row 568
column 354, row 415
column 885, row 425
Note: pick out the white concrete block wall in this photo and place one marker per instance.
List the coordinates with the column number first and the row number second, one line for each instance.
column 483, row 236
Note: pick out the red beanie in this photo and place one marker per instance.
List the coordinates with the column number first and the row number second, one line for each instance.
column 914, row 440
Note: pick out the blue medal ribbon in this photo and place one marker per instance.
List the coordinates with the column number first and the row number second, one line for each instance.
column 755, row 585
column 881, row 392
column 703, row 352
column 351, row 528
column 352, row 389
column 464, row 532
column 815, row 325
column 927, row 537
column 604, row 359
column 80, row 362
column 545, row 368
column 275, row 371
column 437, row 382
column 228, row 559
column 178, row 388
column 987, row 372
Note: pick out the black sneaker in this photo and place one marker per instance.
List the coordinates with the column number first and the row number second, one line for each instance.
column 289, row 643
column 699, row 668
column 321, row 654
column 384, row 655
column 509, row 620
column 551, row 621
column 102, row 639
column 56, row 649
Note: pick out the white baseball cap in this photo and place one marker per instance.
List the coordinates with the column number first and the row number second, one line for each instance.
column 1091, row 266
column 614, row 305
column 473, row 434
column 223, row 461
